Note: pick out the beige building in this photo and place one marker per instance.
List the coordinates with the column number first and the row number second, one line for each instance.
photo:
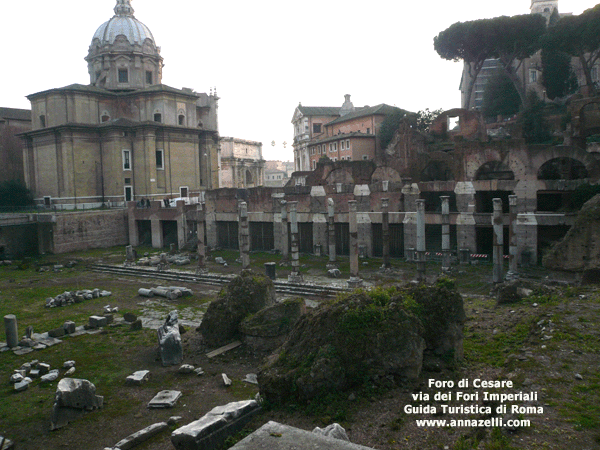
column 12, row 122
column 241, row 163
column 125, row 136
column 530, row 69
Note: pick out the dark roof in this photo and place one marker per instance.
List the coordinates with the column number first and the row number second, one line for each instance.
column 382, row 110
column 15, row 114
column 96, row 90
column 319, row 110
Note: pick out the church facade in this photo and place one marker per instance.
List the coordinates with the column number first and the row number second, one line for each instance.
column 125, row 136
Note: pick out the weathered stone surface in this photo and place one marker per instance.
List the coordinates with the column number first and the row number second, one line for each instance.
column 138, row 378
column 164, row 399
column 244, row 295
column 380, row 336
column 276, row 436
column 50, row 376
column 213, row 428
column 267, row 329
column 186, row 368
column 77, row 393
column 6, row 444
column 341, row 348
column 335, row 430
column 68, row 364
column 226, row 379
column 11, row 329
column 73, row 397
column 97, row 321
column 16, row 378
column 69, row 327
column 169, row 341
column 22, row 385
column 136, row 326
column 580, row 248
column 141, row 436
column 129, row 317
column 57, row 332
column 145, row 292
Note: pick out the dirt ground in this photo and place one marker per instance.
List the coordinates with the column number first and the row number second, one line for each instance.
column 551, row 347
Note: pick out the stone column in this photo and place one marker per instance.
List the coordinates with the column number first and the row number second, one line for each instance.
column 200, row 225
column 295, row 275
column 134, row 238
column 421, row 257
column 385, row 231
column 12, row 332
column 285, row 252
column 512, row 236
column 445, row 233
column 157, row 235
column 331, row 234
column 354, row 280
column 244, row 235
column 497, row 223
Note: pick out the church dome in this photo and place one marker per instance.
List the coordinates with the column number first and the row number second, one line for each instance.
column 123, row 23
column 123, row 55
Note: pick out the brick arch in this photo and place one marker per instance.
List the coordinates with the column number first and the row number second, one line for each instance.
column 543, row 156
column 562, row 169
column 385, row 173
column 581, row 124
column 438, row 166
column 341, row 175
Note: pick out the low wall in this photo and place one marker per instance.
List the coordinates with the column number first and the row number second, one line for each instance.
column 89, row 229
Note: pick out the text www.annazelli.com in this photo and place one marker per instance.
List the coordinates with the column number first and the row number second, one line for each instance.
column 471, row 423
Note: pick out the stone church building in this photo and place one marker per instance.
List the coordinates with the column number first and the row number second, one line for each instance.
column 125, row 136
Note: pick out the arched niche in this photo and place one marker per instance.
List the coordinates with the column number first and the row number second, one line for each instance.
column 562, row 168
column 437, row 171
column 494, row 170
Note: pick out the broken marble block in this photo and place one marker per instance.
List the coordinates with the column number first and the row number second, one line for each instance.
column 335, row 430
column 169, row 341
column 143, row 435
column 50, row 376
column 73, row 397
column 97, row 321
column 138, row 378
column 165, row 399
column 213, row 428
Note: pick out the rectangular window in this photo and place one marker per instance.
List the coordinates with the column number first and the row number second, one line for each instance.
column 335, row 146
column 127, row 180
column 316, row 127
column 348, row 144
column 342, row 145
column 330, row 148
column 532, row 75
column 365, row 157
column 123, row 76
column 183, row 191
column 314, row 164
column 157, row 117
column 368, row 131
column 160, row 160
column 148, row 77
column 128, row 191
column 312, row 150
column 126, row 159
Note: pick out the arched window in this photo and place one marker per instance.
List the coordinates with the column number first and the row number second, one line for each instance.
column 181, row 119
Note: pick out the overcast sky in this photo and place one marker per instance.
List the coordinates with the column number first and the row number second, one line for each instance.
column 264, row 56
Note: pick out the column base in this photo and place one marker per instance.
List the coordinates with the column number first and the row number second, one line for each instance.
column 295, row 277
column 354, row 282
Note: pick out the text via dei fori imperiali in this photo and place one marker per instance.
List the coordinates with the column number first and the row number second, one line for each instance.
column 489, row 399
